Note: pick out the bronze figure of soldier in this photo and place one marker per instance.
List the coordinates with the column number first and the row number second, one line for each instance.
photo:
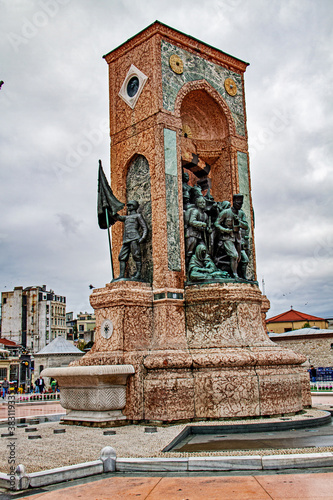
column 232, row 224
column 135, row 232
column 196, row 221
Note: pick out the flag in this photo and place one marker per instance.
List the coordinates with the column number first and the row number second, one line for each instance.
column 106, row 200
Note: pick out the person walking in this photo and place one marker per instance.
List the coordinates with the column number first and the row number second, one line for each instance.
column 5, row 387
column 41, row 384
column 313, row 374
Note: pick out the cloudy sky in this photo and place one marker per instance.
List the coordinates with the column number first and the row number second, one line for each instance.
column 54, row 128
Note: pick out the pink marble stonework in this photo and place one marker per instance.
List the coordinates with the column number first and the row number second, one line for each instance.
column 204, row 356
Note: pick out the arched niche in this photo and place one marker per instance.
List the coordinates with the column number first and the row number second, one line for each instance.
column 207, row 128
column 138, row 187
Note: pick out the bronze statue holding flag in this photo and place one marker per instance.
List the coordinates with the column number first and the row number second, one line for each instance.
column 135, row 231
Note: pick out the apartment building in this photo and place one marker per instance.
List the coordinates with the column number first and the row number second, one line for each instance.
column 32, row 316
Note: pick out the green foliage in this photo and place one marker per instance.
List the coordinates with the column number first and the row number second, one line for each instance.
column 81, row 345
column 306, row 325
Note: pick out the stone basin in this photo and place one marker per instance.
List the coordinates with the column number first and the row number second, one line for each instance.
column 93, row 395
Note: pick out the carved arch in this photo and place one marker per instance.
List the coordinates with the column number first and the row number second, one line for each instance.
column 204, row 85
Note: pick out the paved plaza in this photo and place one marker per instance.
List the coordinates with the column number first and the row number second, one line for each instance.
column 268, row 487
column 304, row 485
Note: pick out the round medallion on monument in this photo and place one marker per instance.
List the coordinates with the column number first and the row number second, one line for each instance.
column 176, row 64
column 133, row 86
column 230, row 86
column 106, row 329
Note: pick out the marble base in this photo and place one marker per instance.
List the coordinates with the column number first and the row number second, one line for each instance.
column 199, row 353
column 90, row 416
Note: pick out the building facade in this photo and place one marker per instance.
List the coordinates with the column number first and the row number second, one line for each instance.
column 293, row 320
column 9, row 363
column 32, row 316
column 314, row 343
column 86, row 326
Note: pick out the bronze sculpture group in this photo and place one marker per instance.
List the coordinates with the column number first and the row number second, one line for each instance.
column 216, row 236
column 216, row 233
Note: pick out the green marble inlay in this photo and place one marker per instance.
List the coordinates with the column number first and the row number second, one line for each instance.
column 171, row 188
column 244, row 189
column 244, row 185
column 197, row 68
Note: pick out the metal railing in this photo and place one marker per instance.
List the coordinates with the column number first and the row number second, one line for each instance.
column 30, row 398
column 322, row 385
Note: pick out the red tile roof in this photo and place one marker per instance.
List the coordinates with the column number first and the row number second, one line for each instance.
column 293, row 315
column 8, row 342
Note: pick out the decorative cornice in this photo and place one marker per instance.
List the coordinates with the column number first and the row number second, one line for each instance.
column 181, row 39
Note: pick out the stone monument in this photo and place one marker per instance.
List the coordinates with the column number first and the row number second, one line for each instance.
column 184, row 331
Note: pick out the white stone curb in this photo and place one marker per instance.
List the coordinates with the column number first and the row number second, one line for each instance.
column 109, row 463
column 151, row 464
column 224, row 463
column 52, row 476
column 273, row 462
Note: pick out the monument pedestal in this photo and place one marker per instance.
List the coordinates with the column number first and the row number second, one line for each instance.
column 209, row 357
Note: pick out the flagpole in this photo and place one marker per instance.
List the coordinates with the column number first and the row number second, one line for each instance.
column 110, row 248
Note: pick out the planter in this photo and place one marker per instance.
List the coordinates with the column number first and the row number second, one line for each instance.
column 95, row 395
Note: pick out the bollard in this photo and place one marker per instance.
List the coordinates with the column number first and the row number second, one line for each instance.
column 108, row 457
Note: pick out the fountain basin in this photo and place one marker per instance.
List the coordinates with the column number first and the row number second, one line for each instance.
column 93, row 395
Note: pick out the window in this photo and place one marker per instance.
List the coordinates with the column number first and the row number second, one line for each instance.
column 287, row 329
column 4, row 300
column 3, row 373
column 47, row 309
column 81, row 328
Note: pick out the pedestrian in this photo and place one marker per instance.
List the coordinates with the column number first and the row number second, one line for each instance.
column 313, row 374
column 5, row 387
column 41, row 384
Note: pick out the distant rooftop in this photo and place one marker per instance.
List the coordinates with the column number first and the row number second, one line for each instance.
column 301, row 332
column 293, row 315
column 9, row 343
column 60, row 346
